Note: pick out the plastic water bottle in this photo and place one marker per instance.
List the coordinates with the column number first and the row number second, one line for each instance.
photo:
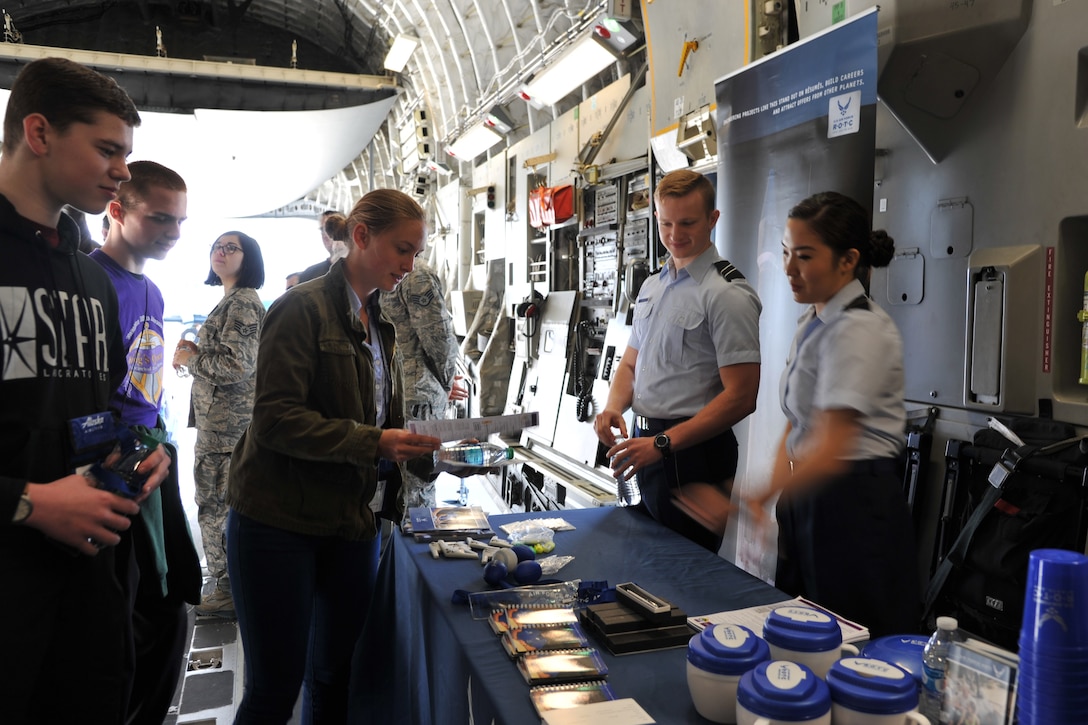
column 121, row 476
column 475, row 455
column 628, row 492
column 934, row 665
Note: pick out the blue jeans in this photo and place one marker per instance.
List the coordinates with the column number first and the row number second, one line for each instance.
column 301, row 603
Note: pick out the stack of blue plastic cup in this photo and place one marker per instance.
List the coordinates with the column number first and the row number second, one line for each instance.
column 1054, row 639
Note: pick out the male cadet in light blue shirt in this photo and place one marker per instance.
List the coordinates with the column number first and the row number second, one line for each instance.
column 691, row 368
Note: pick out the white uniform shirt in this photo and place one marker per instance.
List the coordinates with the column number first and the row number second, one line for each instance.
column 684, row 330
column 854, row 361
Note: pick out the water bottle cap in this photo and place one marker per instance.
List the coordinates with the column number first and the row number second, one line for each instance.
column 947, row 623
column 508, row 454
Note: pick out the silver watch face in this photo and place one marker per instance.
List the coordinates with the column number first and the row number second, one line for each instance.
column 22, row 510
column 661, row 441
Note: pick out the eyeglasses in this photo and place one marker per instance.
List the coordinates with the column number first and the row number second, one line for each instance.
column 227, row 249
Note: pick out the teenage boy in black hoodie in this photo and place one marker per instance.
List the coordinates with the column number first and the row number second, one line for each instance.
column 67, row 132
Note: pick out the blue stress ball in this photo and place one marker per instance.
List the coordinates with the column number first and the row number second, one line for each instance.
column 527, row 572
column 523, row 552
column 495, row 572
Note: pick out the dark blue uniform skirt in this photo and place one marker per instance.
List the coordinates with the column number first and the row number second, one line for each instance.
column 848, row 545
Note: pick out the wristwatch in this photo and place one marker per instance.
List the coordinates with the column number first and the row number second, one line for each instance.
column 23, row 509
column 663, row 444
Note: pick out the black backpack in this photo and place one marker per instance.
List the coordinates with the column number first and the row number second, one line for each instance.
column 981, row 578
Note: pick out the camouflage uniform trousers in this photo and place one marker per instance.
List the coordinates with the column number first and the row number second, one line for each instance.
column 428, row 352
column 416, row 491
column 211, row 470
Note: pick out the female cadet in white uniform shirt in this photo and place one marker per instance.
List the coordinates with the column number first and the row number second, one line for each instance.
column 846, row 539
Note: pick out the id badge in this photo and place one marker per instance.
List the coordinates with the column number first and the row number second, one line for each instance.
column 92, row 437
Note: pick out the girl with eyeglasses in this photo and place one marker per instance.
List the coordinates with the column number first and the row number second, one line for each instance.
column 221, row 403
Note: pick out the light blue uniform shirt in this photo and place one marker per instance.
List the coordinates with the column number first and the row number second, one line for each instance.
column 685, row 328
column 852, row 361
column 374, row 345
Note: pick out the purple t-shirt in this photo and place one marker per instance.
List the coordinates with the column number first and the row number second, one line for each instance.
column 140, row 307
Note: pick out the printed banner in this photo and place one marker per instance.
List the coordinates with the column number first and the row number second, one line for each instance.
column 795, row 123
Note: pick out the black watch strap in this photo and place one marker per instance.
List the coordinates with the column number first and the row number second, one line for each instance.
column 663, row 444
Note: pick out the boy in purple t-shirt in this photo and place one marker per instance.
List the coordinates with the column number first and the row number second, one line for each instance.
column 147, row 215
column 145, row 223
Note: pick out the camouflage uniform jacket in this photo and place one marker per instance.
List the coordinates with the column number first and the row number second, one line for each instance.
column 308, row 462
column 223, row 370
column 425, row 339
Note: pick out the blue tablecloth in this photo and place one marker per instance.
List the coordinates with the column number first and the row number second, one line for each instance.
column 426, row 661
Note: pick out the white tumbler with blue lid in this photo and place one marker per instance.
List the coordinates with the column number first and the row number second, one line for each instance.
column 866, row 691
column 717, row 658
column 782, row 693
column 807, row 636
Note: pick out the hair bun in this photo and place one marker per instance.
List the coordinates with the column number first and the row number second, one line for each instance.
column 881, row 248
column 336, row 226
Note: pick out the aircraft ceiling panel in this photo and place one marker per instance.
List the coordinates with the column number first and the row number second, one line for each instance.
column 723, row 46
column 596, row 113
column 473, row 54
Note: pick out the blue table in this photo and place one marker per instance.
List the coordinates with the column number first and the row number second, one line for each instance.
column 426, row 661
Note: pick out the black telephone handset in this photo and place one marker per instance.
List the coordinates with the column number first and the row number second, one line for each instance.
column 609, row 360
column 636, row 273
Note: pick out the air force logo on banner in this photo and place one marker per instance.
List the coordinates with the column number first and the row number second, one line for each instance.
column 844, row 114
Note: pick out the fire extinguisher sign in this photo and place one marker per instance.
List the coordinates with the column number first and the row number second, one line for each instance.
column 1048, row 308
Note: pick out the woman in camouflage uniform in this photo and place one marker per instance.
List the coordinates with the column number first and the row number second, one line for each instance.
column 222, row 367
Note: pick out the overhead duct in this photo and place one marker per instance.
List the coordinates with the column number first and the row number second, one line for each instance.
column 174, row 85
column 945, row 56
column 233, row 156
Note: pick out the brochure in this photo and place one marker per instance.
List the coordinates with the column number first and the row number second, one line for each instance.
column 468, row 520
column 980, row 684
column 562, row 697
column 523, row 640
column 514, row 617
column 754, row 617
column 566, row 665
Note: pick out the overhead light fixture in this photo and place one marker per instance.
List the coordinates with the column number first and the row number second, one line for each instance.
column 438, row 167
column 498, row 120
column 474, row 141
column 584, row 59
column 402, row 49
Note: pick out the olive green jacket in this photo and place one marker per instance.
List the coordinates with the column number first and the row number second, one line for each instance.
column 308, row 461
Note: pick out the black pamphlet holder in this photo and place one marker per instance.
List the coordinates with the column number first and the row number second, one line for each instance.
column 623, row 630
